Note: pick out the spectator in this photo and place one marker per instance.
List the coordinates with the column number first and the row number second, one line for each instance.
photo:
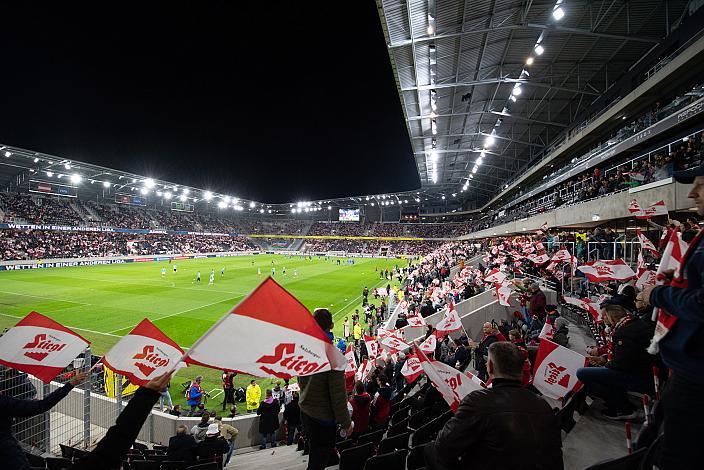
column 361, row 409
column 175, row 411
column 537, row 301
column 481, row 350
column 11, row 453
column 228, row 388
column 254, row 396
column 560, row 333
column 292, row 417
column 195, row 394
column 182, row 446
column 200, row 430
column 213, row 447
column 502, row 427
column 682, row 348
column 631, row 366
column 323, row 405
column 268, row 419
column 229, row 433
column 381, row 405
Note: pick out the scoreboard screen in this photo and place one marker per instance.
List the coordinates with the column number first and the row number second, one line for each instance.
column 130, row 199
column 349, row 215
column 45, row 187
column 181, row 206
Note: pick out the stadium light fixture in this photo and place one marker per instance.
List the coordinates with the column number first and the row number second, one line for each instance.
column 149, row 183
column 293, row 210
column 330, row 207
column 269, row 211
column 454, row 194
column 106, row 184
column 443, row 197
column 207, row 195
column 36, row 160
column 530, row 60
column 261, row 211
column 159, row 193
column 516, row 90
column 513, row 98
column 182, row 198
column 134, row 180
column 252, row 205
column 539, row 49
column 474, row 170
column 490, row 141
column 185, row 191
column 431, row 30
column 433, row 115
column 8, row 154
column 167, row 195
column 222, row 204
column 67, row 165
column 76, row 178
column 227, row 199
column 372, row 204
column 558, row 13
column 144, row 191
column 49, row 174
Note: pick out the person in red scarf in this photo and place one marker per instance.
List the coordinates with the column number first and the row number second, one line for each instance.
column 627, row 367
column 682, row 345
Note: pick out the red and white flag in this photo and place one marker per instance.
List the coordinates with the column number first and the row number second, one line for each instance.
column 430, row 344
column 538, row 259
column 586, row 304
column 646, row 278
column 351, row 367
column 555, row 371
column 659, row 208
column 646, row 244
column 671, row 260
column 276, row 335
column 544, row 227
column 641, row 267
column 452, row 384
column 495, row 276
column 563, row 255
column 611, row 270
column 365, row 368
column 40, row 346
column 372, row 346
column 393, row 344
column 411, row 369
column 546, row 332
column 415, row 320
column 503, row 294
column 146, row 352
column 450, row 322
column 539, row 246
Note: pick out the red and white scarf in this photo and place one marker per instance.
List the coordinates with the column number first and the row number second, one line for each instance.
column 666, row 321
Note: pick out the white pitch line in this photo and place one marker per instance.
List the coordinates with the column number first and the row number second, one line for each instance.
column 71, row 327
column 44, row 297
column 180, row 313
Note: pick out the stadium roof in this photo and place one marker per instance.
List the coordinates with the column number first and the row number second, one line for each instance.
column 487, row 85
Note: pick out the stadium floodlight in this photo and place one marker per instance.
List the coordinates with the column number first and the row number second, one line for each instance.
column 182, row 198
column 252, row 204
column 167, row 195
column 372, row 204
column 185, row 191
column 443, row 198
column 330, row 207
column 149, row 183
column 454, row 194
column 480, row 160
column 49, row 174
column 530, row 60
column 207, row 195
column 516, row 90
column 539, row 49
column 269, row 211
column 405, row 201
column 222, row 204
column 490, row 141
column 293, row 211
column 76, row 178
column 513, row 98
column 8, row 154
column 67, row 165
column 558, row 13
column 431, row 30
column 144, row 191
column 261, row 211
column 106, row 184
column 227, row 199
column 433, row 115
column 159, row 193
column 474, row 170
column 134, row 180
column 36, row 160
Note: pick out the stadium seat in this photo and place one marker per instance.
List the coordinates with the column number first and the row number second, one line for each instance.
column 627, row 462
column 58, row 463
column 354, row 457
column 391, row 461
column 416, row 457
column 398, row 428
column 390, row 444
column 417, row 419
column 342, row 445
column 373, row 437
column 400, row 415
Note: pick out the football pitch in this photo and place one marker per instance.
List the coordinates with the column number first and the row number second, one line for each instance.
column 103, row 303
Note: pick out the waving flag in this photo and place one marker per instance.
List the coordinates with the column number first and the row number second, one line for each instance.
column 452, row 384
column 646, row 244
column 646, row 278
column 641, row 267
column 450, row 322
column 146, row 352
column 40, row 346
column 543, row 227
column 659, row 208
column 428, row 346
column 547, row 331
column 495, row 276
column 586, row 304
column 393, row 344
column 276, row 335
column 416, row 320
column 555, row 371
column 411, row 369
column 539, row 246
column 612, row 270
column 372, row 346
column 563, row 255
column 365, row 368
column 503, row 294
column 538, row 259
column 671, row 259
column 351, row 367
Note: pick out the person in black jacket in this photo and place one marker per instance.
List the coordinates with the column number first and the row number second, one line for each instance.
column 268, row 419
column 292, row 416
column 630, row 368
column 112, row 449
column 481, row 350
column 182, row 446
column 11, row 454
column 502, row 427
column 213, row 447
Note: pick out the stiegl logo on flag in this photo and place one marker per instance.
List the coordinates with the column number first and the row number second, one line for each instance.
column 289, row 363
column 556, row 375
column 45, row 344
column 149, row 360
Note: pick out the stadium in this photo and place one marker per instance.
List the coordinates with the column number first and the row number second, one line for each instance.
column 513, row 282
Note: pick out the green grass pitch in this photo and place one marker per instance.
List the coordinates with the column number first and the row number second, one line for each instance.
column 103, row 303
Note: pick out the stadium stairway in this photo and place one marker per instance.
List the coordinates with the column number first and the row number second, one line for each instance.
column 280, row 458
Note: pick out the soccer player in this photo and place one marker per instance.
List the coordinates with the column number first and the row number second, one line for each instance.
column 259, row 271
column 273, row 270
column 175, row 268
column 283, row 271
column 295, row 272
column 198, row 277
column 212, row 278
column 222, row 271
column 163, row 272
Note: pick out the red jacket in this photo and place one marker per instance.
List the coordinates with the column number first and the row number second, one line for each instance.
column 361, row 408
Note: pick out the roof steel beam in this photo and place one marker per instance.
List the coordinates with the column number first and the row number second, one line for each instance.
column 493, row 81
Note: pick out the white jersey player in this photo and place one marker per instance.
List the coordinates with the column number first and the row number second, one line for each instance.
column 259, row 271
column 163, row 272
column 212, row 278
column 198, row 277
column 175, row 269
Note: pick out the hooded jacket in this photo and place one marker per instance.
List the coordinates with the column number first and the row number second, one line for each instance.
column 361, row 409
column 254, row 396
column 268, row 416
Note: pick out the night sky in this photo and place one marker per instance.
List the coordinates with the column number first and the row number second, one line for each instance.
column 272, row 101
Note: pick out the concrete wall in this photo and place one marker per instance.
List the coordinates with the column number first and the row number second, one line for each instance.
column 612, row 206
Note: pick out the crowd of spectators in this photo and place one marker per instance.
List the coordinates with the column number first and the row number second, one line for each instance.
column 373, row 247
